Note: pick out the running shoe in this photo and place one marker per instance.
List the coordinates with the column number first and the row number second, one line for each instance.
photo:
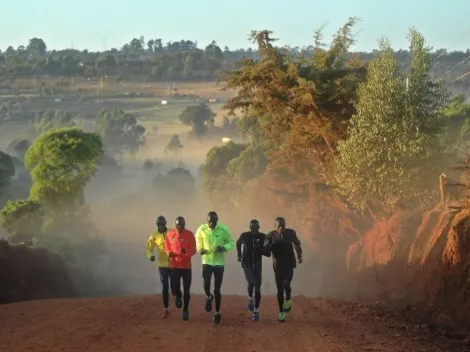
column 209, row 303
column 166, row 313
column 178, row 302
column 287, row 305
column 217, row 318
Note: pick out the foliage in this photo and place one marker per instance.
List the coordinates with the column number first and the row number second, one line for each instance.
column 61, row 162
column 120, row 131
column 198, row 117
column 19, row 146
column 302, row 106
column 23, row 219
column 250, row 164
column 218, row 185
column 177, row 182
column 50, row 120
column 392, row 153
column 75, row 238
column 457, row 113
column 174, row 145
column 7, row 171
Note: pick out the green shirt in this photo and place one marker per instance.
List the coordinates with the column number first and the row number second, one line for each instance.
column 210, row 239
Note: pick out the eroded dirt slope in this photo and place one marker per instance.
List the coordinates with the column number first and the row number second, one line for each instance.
column 133, row 324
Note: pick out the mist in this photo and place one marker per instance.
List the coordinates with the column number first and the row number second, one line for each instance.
column 125, row 210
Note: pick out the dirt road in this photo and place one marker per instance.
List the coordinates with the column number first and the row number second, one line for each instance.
column 133, row 324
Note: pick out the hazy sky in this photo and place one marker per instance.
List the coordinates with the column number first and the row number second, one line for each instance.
column 93, row 24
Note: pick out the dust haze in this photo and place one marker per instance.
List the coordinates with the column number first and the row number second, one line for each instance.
column 125, row 209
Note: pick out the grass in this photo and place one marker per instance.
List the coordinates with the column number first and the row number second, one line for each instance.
column 148, row 110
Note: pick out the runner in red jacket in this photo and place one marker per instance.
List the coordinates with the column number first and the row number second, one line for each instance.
column 180, row 246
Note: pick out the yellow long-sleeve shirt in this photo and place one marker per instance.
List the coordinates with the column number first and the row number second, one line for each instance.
column 157, row 240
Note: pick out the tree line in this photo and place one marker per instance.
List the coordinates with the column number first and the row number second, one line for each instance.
column 370, row 134
column 152, row 59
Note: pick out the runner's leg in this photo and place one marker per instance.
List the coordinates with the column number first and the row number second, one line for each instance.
column 258, row 279
column 164, row 279
column 207, row 276
column 187, row 279
column 287, row 284
column 279, row 278
column 218, row 279
column 250, row 280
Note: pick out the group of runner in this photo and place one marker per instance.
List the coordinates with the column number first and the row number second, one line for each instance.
column 212, row 241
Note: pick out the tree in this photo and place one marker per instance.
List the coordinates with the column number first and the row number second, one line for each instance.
column 37, row 47
column 457, row 113
column 120, row 131
column 19, row 146
column 58, row 118
column 392, row 153
column 61, row 162
column 302, row 106
column 7, row 171
column 217, row 182
column 23, row 219
column 174, row 145
column 198, row 117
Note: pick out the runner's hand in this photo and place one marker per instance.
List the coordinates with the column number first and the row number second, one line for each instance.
column 219, row 249
column 300, row 260
column 203, row 251
column 152, row 258
column 171, row 255
column 183, row 251
column 239, row 259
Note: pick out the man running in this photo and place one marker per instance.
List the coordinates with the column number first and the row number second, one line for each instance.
column 157, row 240
column 251, row 259
column 213, row 241
column 180, row 246
column 279, row 243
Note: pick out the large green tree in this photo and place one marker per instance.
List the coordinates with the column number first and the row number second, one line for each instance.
column 392, row 155
column 61, row 162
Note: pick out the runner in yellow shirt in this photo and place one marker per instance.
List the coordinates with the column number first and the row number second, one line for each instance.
column 157, row 241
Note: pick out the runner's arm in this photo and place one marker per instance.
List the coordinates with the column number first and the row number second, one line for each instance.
column 239, row 246
column 192, row 246
column 167, row 245
column 199, row 240
column 297, row 245
column 150, row 247
column 268, row 242
column 229, row 242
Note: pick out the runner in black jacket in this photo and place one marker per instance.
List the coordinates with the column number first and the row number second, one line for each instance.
column 281, row 243
column 251, row 259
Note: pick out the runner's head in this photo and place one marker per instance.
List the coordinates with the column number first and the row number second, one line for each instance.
column 212, row 219
column 254, row 226
column 280, row 224
column 161, row 224
column 180, row 224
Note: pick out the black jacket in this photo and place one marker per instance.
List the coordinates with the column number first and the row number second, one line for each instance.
column 252, row 249
column 281, row 246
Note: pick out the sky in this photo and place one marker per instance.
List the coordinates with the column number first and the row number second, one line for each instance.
column 103, row 24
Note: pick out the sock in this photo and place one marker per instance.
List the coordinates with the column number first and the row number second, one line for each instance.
column 256, row 309
column 250, row 298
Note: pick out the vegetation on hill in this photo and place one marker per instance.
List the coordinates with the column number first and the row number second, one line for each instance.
column 153, row 59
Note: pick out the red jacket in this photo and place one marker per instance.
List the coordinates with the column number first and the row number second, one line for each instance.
column 174, row 242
